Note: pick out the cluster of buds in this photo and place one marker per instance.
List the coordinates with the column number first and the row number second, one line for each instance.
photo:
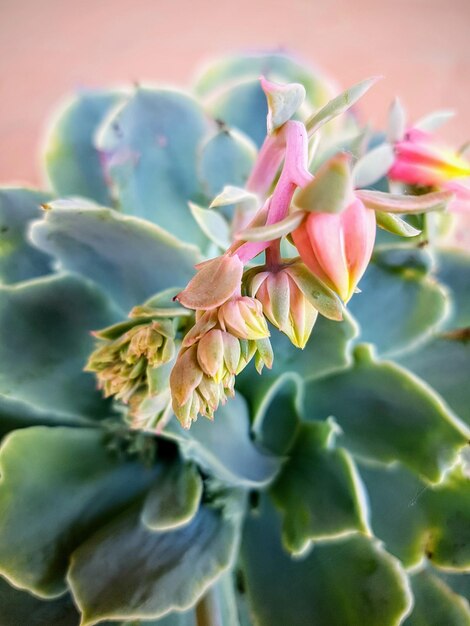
column 133, row 359
column 218, row 347
column 328, row 216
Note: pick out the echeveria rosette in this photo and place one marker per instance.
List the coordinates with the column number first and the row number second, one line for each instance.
column 215, row 524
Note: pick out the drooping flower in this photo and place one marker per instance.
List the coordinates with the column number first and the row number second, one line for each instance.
column 422, row 161
column 284, row 304
column 337, row 247
column 217, row 348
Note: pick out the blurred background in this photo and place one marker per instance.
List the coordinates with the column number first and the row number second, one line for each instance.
column 48, row 48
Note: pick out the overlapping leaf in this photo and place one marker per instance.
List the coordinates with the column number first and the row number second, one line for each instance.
column 224, row 447
column 398, row 307
column 45, row 340
column 73, row 164
column 129, row 258
column 150, row 573
column 151, row 147
column 19, row 260
column 417, row 520
column 387, row 415
column 58, row 485
column 351, row 580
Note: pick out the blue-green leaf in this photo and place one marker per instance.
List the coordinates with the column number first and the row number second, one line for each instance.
column 233, row 94
column 351, row 580
column 19, row 608
column 387, row 415
column 326, row 351
column 151, row 146
column 417, row 520
column 129, row 258
column 398, row 306
column 226, row 159
column 150, row 573
column 58, row 485
column 435, row 604
column 19, row 260
column 224, row 447
column 444, row 363
column 174, row 499
column 73, row 164
column 45, row 340
column 318, row 489
column 453, row 270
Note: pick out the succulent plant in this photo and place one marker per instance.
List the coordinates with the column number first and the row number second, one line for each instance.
column 331, row 487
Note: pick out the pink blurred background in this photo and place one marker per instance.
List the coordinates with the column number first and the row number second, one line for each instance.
column 49, row 47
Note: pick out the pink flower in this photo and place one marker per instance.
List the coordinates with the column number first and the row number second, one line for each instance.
column 337, row 247
column 421, row 160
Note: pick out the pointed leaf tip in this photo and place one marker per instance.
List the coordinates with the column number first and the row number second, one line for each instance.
column 283, row 101
column 340, row 104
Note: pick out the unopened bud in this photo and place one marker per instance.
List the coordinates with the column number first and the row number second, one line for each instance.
column 285, row 305
column 243, row 317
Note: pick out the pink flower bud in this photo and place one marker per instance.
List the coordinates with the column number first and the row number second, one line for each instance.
column 421, row 160
column 243, row 317
column 285, row 305
column 337, row 247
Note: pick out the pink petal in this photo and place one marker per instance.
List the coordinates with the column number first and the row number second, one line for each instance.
column 327, row 241
column 359, row 228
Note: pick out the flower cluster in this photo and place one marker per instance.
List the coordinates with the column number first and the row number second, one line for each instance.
column 325, row 206
column 218, row 347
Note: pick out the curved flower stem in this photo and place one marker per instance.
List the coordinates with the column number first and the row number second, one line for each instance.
column 293, row 136
column 267, row 164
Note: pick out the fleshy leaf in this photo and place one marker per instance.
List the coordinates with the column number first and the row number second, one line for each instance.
column 42, row 361
column 235, row 195
column 275, row 408
column 226, row 160
column 394, row 224
column 149, row 573
column 435, row 603
column 233, row 93
column 396, row 126
column 73, row 164
column 273, row 231
column 58, row 485
column 213, row 224
column 174, row 499
column 16, row 414
column 339, row 105
column 19, row 608
column 283, row 102
column 129, row 258
column 318, row 490
column 444, row 363
column 150, row 146
column 398, row 203
column 417, row 520
column 331, row 189
column 387, row 415
column 453, row 269
column 433, row 121
column 18, row 259
column 224, row 447
column 373, row 166
column 369, row 586
column 398, row 307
